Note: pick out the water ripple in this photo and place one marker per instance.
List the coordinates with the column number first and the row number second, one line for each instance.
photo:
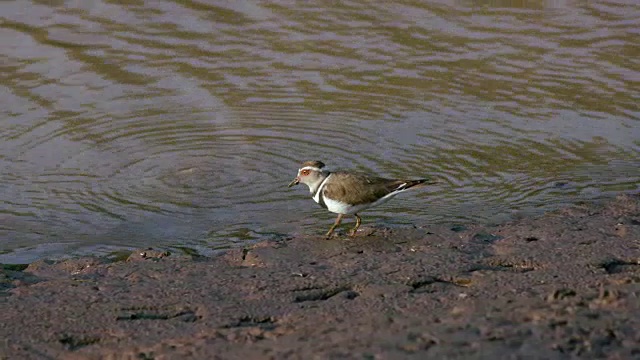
column 179, row 124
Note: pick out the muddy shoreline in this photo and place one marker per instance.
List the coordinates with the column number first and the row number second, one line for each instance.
column 562, row 285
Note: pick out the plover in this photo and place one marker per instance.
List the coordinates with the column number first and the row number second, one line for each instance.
column 349, row 192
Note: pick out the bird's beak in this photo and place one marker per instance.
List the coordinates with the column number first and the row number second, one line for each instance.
column 295, row 181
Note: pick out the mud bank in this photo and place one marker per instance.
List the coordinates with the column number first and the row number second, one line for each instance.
column 563, row 285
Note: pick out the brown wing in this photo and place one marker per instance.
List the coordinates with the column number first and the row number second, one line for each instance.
column 356, row 189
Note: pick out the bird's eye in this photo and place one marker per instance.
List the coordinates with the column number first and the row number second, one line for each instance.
column 304, row 172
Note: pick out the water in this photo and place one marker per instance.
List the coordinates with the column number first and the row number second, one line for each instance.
column 127, row 124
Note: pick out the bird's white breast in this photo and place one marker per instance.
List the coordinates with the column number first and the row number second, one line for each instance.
column 339, row 207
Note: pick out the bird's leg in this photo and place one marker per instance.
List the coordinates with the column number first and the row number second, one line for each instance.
column 338, row 220
column 355, row 228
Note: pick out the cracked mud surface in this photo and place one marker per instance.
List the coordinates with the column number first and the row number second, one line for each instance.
column 560, row 286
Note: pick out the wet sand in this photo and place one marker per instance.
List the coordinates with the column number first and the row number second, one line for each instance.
column 562, row 285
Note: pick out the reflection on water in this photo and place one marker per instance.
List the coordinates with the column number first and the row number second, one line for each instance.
column 180, row 123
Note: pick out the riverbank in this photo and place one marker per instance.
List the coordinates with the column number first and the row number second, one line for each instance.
column 562, row 285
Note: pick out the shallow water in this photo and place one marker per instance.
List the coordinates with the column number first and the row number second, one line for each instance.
column 171, row 124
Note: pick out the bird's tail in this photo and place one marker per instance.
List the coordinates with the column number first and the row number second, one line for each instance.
column 416, row 183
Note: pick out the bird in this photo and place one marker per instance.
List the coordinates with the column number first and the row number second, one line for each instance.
column 349, row 192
